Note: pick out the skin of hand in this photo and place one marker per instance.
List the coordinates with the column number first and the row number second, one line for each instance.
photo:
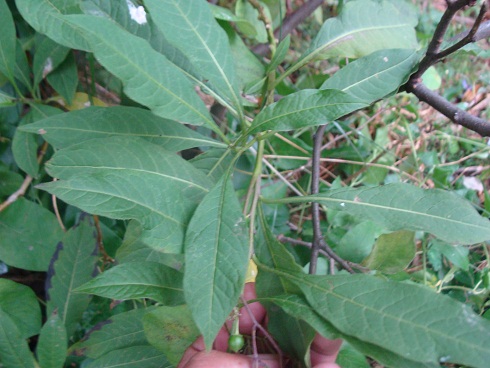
column 323, row 351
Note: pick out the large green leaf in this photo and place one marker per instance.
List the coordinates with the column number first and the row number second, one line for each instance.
column 137, row 356
column 191, row 27
column 216, row 259
column 406, row 207
column 148, row 77
column 171, row 330
column 118, row 332
column 98, row 122
column 306, row 108
column 374, row 76
column 8, row 41
column 364, row 26
column 52, row 344
column 122, row 12
column 47, row 17
column 73, row 265
column 137, row 280
column 28, row 235
column 130, row 178
column 298, row 307
column 14, row 351
column 20, row 303
column 395, row 315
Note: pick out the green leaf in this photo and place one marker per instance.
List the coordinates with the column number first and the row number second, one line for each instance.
column 171, row 330
column 22, row 68
column 374, row 76
column 214, row 162
column 392, row 252
column 117, row 333
column 137, row 280
column 280, row 54
column 9, row 181
column 305, row 108
column 138, row 356
column 14, row 351
column 134, row 250
column 47, row 17
column 358, row 242
column 393, row 315
column 52, row 343
column 406, row 207
column 297, row 306
column 64, row 79
column 98, row 122
column 73, row 264
column 8, row 41
column 362, row 28
column 28, row 235
column 20, row 303
column 191, row 27
column 124, row 178
column 291, row 333
column 456, row 255
column 47, row 57
column 148, row 77
column 216, row 259
column 6, row 99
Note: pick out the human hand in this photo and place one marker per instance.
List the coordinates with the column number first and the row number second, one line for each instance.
column 323, row 351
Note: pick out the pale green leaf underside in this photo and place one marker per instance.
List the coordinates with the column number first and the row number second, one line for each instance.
column 216, row 259
column 98, row 122
column 137, row 280
column 148, row 77
column 374, row 76
column 130, row 178
column 403, row 206
column 306, row 108
column 407, row 319
column 191, row 27
column 47, row 17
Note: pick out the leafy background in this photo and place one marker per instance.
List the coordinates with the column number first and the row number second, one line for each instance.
column 178, row 153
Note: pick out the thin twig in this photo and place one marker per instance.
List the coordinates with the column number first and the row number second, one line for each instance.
column 264, row 331
column 315, row 207
column 325, row 250
column 290, row 23
column 455, row 114
column 27, row 181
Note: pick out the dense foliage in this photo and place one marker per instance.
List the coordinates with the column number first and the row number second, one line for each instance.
column 151, row 162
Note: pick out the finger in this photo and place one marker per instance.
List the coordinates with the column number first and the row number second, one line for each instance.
column 196, row 347
column 218, row 359
column 324, row 351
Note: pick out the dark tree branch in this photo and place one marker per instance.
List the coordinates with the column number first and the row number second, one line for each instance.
column 290, row 23
column 325, row 250
column 433, row 55
column 315, row 207
column 455, row 114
